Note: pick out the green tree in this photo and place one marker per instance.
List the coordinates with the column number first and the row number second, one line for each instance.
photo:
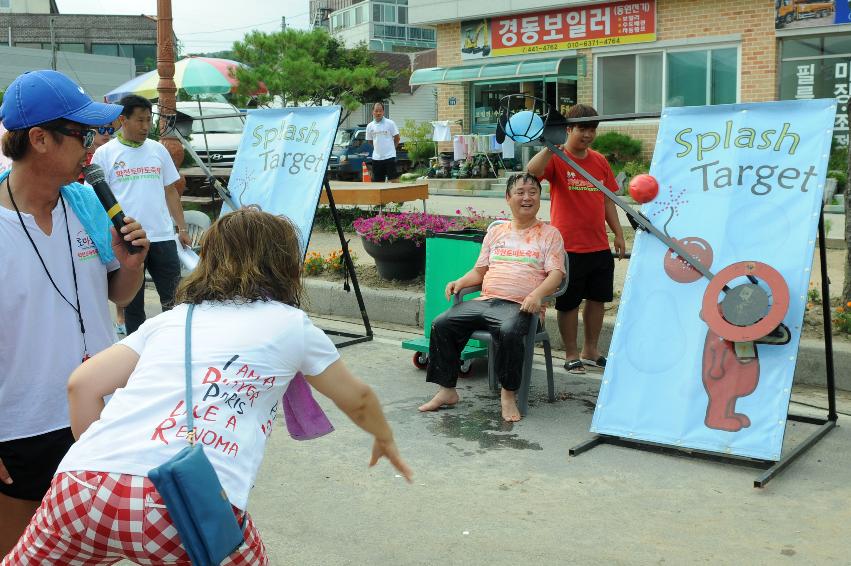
column 418, row 142
column 311, row 67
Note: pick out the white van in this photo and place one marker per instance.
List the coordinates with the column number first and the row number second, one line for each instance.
column 222, row 134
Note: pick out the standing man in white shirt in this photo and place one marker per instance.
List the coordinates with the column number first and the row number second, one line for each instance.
column 384, row 135
column 142, row 176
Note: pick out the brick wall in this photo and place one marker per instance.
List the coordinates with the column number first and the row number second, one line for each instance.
column 79, row 28
column 449, row 55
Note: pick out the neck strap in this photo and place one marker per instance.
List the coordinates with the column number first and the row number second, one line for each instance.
column 187, row 364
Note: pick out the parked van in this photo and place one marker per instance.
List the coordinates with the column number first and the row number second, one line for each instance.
column 222, row 134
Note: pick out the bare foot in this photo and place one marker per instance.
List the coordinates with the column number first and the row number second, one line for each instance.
column 510, row 412
column 445, row 396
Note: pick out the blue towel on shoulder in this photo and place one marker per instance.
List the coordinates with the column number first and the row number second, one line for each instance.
column 85, row 204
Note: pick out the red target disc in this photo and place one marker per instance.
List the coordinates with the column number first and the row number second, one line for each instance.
column 711, row 312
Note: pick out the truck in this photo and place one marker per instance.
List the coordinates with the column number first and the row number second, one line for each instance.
column 787, row 11
column 351, row 150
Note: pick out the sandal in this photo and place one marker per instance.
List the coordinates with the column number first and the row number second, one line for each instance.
column 598, row 363
column 576, row 367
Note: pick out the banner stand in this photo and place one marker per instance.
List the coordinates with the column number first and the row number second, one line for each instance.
column 350, row 267
column 772, row 469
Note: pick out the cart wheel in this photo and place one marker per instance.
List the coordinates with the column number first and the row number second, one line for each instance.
column 420, row 360
column 466, row 368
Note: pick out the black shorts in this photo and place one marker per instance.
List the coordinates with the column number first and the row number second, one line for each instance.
column 592, row 277
column 32, row 462
column 384, row 169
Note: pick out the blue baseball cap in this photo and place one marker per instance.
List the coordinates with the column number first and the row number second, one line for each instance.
column 37, row 97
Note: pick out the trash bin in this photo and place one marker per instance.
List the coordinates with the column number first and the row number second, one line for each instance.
column 449, row 255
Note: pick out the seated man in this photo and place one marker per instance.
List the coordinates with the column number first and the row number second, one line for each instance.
column 521, row 262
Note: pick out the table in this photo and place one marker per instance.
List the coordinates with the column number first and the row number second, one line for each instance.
column 376, row 194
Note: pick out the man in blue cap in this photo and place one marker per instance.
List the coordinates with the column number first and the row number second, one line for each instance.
column 60, row 263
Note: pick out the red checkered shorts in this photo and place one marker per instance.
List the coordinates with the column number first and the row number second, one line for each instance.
column 89, row 518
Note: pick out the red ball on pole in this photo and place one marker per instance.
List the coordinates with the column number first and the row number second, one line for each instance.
column 643, row 188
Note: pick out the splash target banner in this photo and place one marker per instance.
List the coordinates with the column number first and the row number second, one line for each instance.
column 706, row 363
column 281, row 161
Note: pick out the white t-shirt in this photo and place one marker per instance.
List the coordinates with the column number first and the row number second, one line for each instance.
column 381, row 134
column 40, row 338
column 243, row 358
column 137, row 177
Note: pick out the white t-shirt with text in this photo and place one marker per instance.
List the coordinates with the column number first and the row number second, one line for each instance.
column 137, row 177
column 40, row 338
column 243, row 358
column 381, row 134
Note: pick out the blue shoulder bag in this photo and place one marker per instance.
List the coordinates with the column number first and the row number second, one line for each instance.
column 192, row 493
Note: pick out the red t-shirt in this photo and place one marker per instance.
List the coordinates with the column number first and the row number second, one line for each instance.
column 577, row 207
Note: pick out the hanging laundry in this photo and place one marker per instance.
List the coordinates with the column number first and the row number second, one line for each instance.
column 459, row 150
column 493, row 145
column 508, row 149
column 441, row 131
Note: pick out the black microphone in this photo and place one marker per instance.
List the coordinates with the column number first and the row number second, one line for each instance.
column 95, row 177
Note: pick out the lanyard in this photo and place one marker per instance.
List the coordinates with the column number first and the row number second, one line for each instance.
column 73, row 268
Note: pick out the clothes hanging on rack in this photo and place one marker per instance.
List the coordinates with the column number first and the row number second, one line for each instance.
column 441, row 131
column 508, row 149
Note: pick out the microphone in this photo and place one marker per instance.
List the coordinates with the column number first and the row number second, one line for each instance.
column 95, row 177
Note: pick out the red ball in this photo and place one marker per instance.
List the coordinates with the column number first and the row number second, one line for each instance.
column 643, row 188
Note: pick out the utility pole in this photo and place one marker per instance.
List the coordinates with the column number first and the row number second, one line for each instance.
column 283, row 23
column 52, row 46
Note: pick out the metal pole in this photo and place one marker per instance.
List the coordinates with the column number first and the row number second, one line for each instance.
column 204, row 130
column 52, row 46
column 828, row 331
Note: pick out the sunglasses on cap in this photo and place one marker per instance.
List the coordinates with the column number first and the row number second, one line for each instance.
column 86, row 136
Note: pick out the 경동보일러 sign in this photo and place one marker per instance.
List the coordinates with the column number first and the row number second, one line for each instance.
column 281, row 162
column 707, row 363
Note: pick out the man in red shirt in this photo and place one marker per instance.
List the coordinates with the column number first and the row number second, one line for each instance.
column 580, row 212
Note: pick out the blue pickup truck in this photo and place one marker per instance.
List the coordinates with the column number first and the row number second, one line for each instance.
column 352, row 149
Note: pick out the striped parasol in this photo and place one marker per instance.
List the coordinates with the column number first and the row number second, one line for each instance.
column 195, row 75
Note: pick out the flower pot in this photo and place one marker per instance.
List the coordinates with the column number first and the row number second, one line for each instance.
column 400, row 259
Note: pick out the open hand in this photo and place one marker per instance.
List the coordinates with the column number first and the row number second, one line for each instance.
column 387, row 449
column 620, row 247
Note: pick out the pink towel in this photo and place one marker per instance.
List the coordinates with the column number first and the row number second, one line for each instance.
column 305, row 418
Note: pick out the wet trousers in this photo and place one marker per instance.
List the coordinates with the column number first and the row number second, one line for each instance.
column 451, row 330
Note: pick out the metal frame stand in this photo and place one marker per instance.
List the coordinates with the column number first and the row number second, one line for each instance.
column 350, row 267
column 772, row 469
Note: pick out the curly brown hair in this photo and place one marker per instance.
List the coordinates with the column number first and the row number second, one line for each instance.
column 247, row 256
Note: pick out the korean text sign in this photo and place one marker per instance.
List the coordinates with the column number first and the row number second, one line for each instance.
column 579, row 27
column 281, row 162
column 741, row 189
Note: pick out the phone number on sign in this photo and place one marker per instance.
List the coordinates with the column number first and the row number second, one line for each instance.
column 571, row 45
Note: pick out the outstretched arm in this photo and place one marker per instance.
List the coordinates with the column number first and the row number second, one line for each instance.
column 538, row 164
column 359, row 402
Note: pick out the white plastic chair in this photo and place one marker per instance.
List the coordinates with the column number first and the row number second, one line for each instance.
column 196, row 224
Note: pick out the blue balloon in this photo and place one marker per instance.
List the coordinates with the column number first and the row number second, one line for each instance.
column 524, row 127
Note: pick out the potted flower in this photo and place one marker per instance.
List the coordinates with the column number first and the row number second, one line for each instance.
column 397, row 241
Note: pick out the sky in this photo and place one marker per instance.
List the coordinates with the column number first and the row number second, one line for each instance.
column 204, row 26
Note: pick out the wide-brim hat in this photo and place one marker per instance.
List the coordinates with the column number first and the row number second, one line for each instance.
column 37, row 97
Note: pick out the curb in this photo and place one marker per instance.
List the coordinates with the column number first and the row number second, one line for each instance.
column 406, row 308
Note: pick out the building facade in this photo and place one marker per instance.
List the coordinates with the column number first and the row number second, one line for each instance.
column 381, row 24
column 37, row 24
column 634, row 56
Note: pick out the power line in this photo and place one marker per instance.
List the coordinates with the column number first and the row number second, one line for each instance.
column 231, row 29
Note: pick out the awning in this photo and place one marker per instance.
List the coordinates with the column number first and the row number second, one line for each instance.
column 491, row 71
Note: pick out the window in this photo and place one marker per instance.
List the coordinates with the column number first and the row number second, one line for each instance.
column 72, row 47
column 5, row 4
column 402, row 15
column 105, row 49
column 360, row 15
column 377, row 13
column 819, row 67
column 646, row 82
column 29, row 45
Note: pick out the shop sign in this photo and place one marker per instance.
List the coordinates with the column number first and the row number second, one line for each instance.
column 821, row 78
column 581, row 27
column 453, row 101
column 797, row 14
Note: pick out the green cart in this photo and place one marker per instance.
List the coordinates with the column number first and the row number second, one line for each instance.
column 449, row 255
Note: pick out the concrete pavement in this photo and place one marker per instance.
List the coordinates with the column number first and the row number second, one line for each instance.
column 490, row 493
